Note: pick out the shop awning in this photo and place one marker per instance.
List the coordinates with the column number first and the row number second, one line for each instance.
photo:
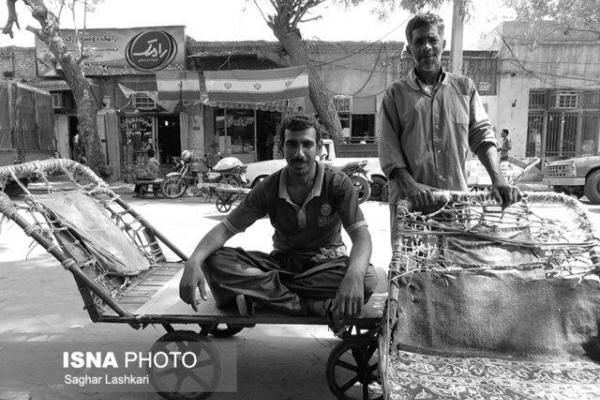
column 256, row 89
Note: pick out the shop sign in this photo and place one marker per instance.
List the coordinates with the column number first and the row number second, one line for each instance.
column 151, row 50
column 119, row 51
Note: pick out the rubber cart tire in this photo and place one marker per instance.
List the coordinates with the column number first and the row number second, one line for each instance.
column 197, row 383
column 226, row 330
column 352, row 369
column 223, row 203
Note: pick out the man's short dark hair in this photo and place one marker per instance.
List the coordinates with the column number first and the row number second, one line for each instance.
column 505, row 131
column 300, row 122
column 421, row 20
column 150, row 153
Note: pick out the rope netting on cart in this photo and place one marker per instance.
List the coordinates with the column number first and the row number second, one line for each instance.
column 546, row 231
column 76, row 217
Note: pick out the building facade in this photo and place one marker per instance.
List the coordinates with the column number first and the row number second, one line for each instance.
column 163, row 102
column 548, row 89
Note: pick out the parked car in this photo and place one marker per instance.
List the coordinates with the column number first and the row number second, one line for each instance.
column 576, row 176
column 258, row 171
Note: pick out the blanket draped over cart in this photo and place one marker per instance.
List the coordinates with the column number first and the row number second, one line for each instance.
column 494, row 304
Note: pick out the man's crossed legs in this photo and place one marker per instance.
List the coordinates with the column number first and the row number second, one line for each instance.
column 277, row 281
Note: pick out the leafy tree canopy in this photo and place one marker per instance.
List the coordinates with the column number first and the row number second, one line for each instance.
column 577, row 15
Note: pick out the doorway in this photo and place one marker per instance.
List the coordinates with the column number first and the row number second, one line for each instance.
column 73, row 146
column 169, row 139
column 266, row 129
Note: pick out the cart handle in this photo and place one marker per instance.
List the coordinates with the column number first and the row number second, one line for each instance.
column 484, row 198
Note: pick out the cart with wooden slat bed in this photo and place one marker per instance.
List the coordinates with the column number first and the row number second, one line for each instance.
column 120, row 265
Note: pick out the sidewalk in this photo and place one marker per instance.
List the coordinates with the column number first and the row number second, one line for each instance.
column 119, row 187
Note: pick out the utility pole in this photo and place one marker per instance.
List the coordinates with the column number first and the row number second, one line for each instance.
column 456, row 45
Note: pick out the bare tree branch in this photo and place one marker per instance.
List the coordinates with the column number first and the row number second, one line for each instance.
column 13, row 18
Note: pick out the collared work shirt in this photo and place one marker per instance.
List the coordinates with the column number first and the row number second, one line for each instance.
column 310, row 230
column 430, row 134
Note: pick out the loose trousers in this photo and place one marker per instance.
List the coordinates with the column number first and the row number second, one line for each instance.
column 278, row 281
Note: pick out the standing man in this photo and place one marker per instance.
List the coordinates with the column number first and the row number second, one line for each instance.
column 506, row 145
column 308, row 272
column 430, row 119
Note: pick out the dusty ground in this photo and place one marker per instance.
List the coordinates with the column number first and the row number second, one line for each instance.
column 41, row 313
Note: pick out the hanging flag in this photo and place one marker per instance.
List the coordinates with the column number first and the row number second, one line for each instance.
column 256, row 86
column 178, row 86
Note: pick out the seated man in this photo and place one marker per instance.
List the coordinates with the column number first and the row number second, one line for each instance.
column 151, row 171
column 308, row 272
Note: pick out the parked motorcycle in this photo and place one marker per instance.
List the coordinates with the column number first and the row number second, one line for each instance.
column 210, row 169
column 357, row 173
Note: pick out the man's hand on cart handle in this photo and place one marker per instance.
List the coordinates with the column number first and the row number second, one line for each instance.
column 505, row 194
column 420, row 195
column 192, row 280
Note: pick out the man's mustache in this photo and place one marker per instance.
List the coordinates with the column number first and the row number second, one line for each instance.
column 298, row 159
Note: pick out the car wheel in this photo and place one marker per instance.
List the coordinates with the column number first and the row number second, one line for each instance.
column 592, row 187
column 362, row 188
column 377, row 188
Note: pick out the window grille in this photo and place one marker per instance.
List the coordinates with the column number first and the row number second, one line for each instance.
column 590, row 99
column 342, row 104
column 143, row 102
column 537, row 99
column 564, row 100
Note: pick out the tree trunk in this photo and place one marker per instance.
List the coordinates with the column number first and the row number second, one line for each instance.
column 292, row 43
column 87, row 108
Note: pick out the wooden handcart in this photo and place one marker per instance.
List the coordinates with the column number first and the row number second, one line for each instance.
column 118, row 261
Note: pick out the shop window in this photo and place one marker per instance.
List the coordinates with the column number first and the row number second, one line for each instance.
column 342, row 104
column 136, row 139
column 62, row 100
column 235, row 131
column 363, row 125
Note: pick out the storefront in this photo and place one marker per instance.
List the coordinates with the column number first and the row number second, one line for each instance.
column 124, row 66
column 246, row 134
column 140, row 133
column 247, row 106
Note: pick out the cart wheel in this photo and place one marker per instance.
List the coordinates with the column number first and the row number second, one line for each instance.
column 156, row 190
column 142, row 191
column 226, row 330
column 196, row 383
column 352, row 369
column 223, row 203
column 173, row 187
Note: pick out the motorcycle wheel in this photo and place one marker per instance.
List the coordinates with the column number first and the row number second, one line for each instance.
column 362, row 188
column 173, row 187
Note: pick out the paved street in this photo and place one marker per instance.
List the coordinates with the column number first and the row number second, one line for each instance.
column 42, row 311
